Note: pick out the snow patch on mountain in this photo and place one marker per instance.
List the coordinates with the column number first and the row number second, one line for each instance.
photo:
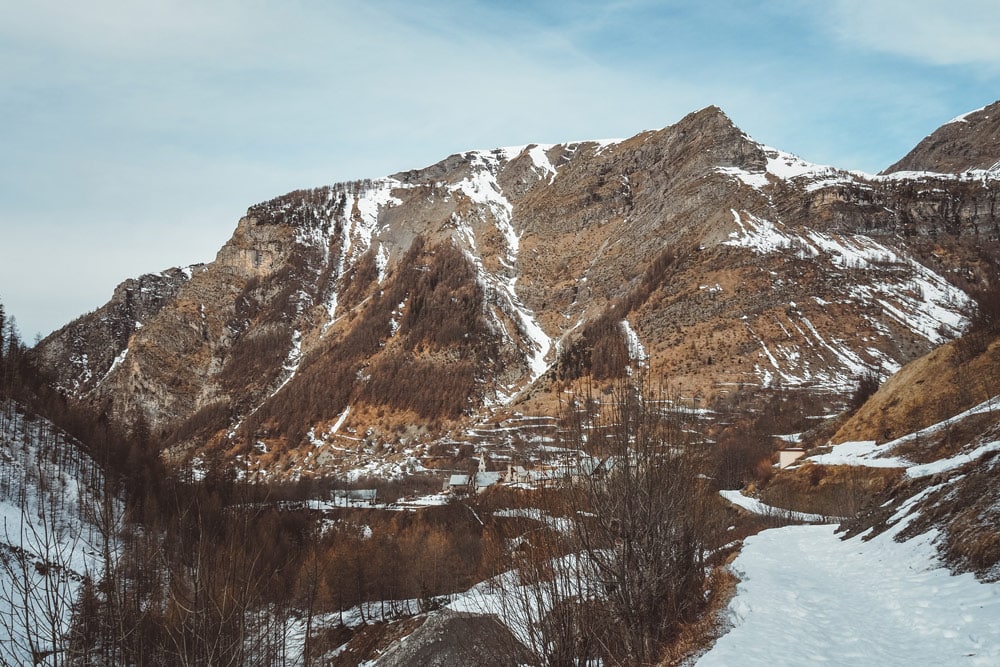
column 118, row 361
column 541, row 161
column 291, row 364
column 787, row 167
column 758, row 234
column 381, row 262
column 636, row 352
column 482, row 188
column 909, row 292
column 963, row 118
column 340, row 420
column 370, row 202
column 865, row 453
column 756, row 180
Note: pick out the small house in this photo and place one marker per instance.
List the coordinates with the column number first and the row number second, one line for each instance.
column 354, row 497
column 457, row 484
column 789, row 455
column 484, row 480
column 517, row 475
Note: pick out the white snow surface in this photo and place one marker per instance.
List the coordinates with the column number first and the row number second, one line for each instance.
column 541, row 161
column 962, row 118
column 291, row 364
column 807, row 597
column 114, row 364
column 756, row 180
column 636, row 352
column 860, row 453
column 757, row 507
column 952, row 462
column 562, row 524
column 788, row 167
column 340, row 420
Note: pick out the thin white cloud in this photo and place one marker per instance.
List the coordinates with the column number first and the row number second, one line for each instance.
column 134, row 30
column 957, row 32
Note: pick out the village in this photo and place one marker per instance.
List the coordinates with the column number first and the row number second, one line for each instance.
column 513, row 476
column 460, row 485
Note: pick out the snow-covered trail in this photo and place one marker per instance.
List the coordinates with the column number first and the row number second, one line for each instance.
column 807, row 597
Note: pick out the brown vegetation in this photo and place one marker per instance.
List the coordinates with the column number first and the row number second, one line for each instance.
column 429, row 366
column 926, row 391
column 745, row 429
column 638, row 528
column 834, row 491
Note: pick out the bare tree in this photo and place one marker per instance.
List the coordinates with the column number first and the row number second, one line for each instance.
column 624, row 568
column 41, row 555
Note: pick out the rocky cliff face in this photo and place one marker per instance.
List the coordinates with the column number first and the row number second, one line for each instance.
column 84, row 351
column 374, row 315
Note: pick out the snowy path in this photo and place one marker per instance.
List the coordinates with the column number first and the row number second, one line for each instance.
column 807, row 597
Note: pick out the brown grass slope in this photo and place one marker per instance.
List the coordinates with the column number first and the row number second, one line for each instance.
column 962, row 502
column 926, row 391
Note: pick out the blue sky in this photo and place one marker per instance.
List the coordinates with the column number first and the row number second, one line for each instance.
column 135, row 134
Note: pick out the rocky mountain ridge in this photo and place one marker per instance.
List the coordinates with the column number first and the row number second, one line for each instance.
column 348, row 321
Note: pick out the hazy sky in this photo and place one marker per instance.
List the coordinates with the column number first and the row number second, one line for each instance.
column 135, row 134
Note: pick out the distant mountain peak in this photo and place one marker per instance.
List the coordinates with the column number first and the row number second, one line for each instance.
column 968, row 142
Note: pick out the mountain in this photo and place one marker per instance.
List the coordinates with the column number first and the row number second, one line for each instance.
column 391, row 319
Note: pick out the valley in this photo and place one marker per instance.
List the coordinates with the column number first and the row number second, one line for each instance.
column 529, row 405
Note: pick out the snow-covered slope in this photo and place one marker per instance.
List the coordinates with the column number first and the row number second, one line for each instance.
column 48, row 539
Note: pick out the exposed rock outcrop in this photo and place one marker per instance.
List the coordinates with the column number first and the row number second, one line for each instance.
column 83, row 352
